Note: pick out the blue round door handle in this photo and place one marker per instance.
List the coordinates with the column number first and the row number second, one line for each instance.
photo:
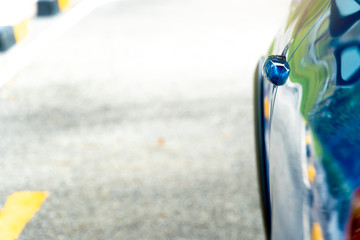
column 276, row 69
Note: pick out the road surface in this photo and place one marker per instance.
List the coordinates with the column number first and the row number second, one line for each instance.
column 138, row 123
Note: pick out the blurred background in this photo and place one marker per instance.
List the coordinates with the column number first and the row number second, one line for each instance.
column 138, row 121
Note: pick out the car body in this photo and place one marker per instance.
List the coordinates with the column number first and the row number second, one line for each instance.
column 309, row 166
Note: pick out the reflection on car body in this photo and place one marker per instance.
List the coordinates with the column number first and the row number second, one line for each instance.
column 311, row 163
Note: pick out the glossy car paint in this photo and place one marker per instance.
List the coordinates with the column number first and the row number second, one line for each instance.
column 311, row 158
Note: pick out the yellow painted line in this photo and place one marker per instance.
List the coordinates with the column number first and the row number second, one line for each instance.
column 64, row 4
column 21, row 30
column 266, row 109
column 19, row 208
column 311, row 173
column 316, row 232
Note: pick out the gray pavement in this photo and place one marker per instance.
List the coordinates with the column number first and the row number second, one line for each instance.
column 138, row 122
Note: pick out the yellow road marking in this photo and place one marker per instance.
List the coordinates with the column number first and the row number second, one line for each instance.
column 18, row 210
column 21, row 30
column 64, row 4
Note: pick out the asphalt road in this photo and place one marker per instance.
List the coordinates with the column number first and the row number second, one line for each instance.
column 138, row 122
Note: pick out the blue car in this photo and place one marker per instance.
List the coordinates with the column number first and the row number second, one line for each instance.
column 307, row 122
